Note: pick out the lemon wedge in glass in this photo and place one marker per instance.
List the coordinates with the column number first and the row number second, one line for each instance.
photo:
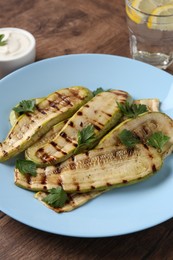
column 161, row 18
column 138, row 10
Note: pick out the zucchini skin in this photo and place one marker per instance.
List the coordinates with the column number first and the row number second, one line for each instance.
column 29, row 127
column 97, row 169
column 101, row 111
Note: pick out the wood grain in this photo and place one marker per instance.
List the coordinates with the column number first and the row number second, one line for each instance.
column 65, row 27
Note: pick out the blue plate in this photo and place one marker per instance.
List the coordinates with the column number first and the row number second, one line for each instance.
column 119, row 211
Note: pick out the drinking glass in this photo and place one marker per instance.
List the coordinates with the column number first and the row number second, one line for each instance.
column 151, row 33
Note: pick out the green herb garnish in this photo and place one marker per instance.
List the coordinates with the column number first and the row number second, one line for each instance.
column 132, row 110
column 85, row 137
column 128, row 138
column 25, row 106
column 158, row 140
column 56, row 198
column 99, row 90
column 26, row 167
column 2, row 42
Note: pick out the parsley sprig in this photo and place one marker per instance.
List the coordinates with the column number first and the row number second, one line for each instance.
column 56, row 198
column 2, row 42
column 99, row 90
column 26, row 167
column 128, row 138
column 158, row 140
column 25, row 106
column 85, row 137
column 132, row 110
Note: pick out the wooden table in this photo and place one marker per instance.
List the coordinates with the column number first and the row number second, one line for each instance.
column 65, row 27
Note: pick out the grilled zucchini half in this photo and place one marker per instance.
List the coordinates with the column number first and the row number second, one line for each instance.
column 143, row 126
column 30, row 126
column 101, row 112
column 96, row 169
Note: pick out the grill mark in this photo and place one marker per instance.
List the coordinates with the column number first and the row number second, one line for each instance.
column 71, row 123
column 53, row 144
column 72, row 158
column 77, row 186
column 81, row 124
column 120, row 93
column 97, row 127
column 63, row 134
column 45, row 188
column 154, row 168
column 79, row 113
column 72, row 166
column 93, row 187
column 64, row 98
column 28, row 178
column 66, row 137
column 145, row 130
column 75, row 93
column 124, row 181
column 87, row 153
column 87, row 105
column 108, row 184
column 42, row 111
column 44, row 180
column 53, row 104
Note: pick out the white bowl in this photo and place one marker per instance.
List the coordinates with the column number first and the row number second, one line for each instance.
column 10, row 61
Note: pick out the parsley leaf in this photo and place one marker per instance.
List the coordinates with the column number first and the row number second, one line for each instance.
column 85, row 137
column 56, row 198
column 2, row 42
column 158, row 140
column 99, row 90
column 132, row 110
column 25, row 106
column 128, row 139
column 26, row 167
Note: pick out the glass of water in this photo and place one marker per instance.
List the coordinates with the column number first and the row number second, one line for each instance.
column 150, row 24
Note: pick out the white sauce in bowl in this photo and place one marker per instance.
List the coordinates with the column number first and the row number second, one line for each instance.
column 19, row 49
column 17, row 44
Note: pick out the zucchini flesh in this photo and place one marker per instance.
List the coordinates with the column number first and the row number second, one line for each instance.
column 45, row 138
column 97, row 169
column 152, row 104
column 101, row 111
column 29, row 127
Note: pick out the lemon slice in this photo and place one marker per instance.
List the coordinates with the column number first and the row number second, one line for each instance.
column 161, row 18
column 139, row 9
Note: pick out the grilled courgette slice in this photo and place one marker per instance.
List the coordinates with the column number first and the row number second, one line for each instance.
column 152, row 122
column 97, row 169
column 75, row 200
column 101, row 112
column 142, row 127
column 30, row 126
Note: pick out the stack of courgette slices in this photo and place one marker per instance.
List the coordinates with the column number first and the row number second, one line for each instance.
column 79, row 144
